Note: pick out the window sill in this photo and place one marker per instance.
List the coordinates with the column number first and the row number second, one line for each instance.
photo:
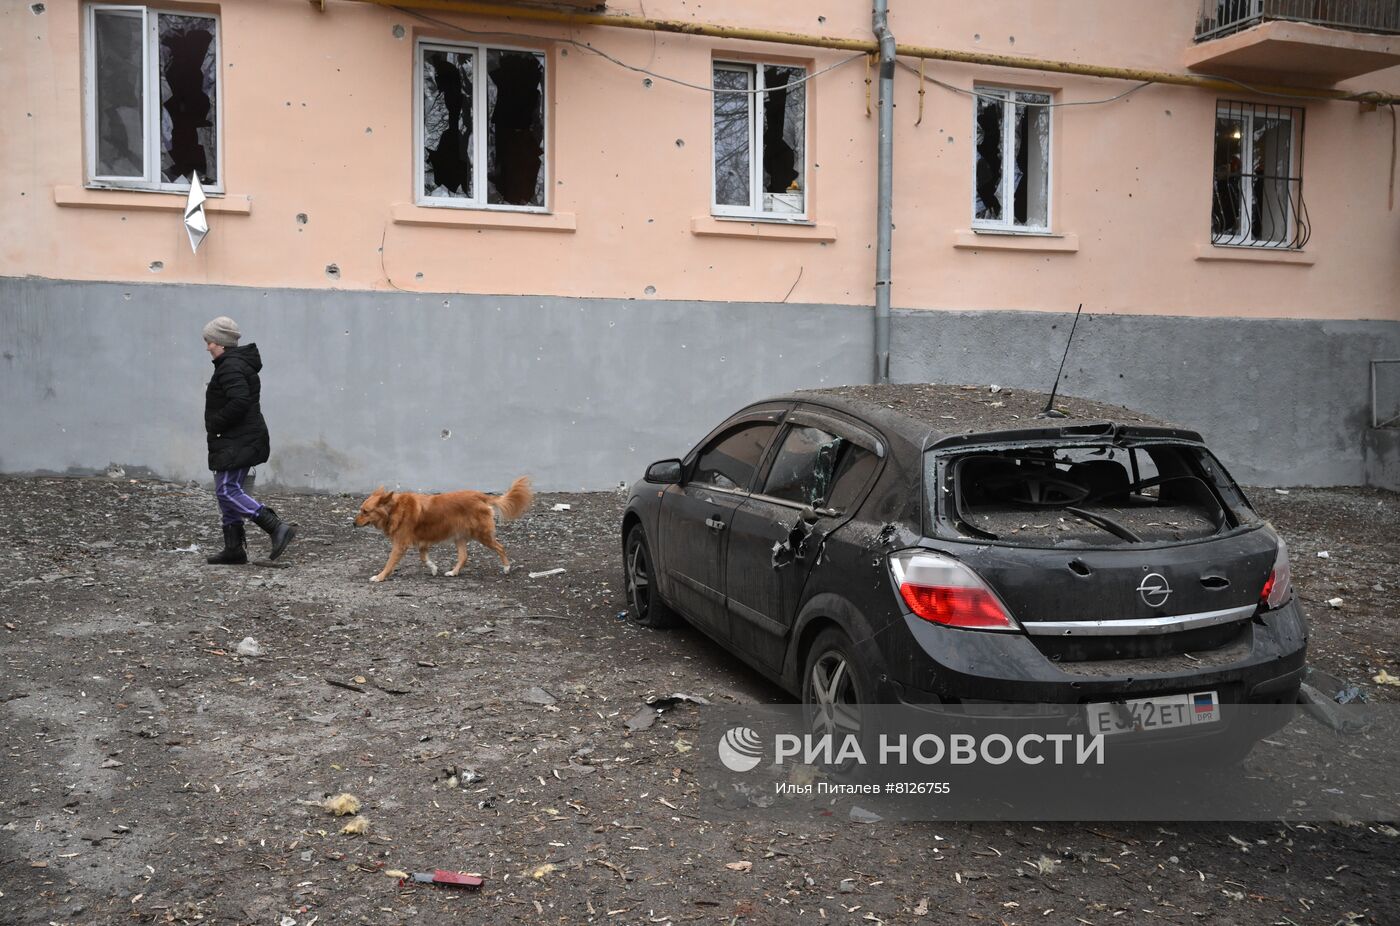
column 453, row 217
column 147, row 200
column 989, row 240
column 1254, row 255
column 714, row 226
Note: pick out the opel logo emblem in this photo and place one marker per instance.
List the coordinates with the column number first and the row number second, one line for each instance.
column 1154, row 590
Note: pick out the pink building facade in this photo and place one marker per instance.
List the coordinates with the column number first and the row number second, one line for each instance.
column 472, row 244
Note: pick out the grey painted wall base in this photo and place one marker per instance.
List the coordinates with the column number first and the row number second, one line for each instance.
column 447, row 391
column 430, row 392
column 1282, row 402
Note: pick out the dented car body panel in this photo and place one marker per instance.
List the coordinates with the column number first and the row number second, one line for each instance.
column 1141, row 569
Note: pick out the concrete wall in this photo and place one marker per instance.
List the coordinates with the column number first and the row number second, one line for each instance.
column 1281, row 401
column 435, row 391
column 446, row 390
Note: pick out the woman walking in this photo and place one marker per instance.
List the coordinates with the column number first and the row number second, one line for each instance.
column 238, row 440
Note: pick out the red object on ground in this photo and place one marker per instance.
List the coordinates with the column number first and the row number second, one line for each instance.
column 457, row 878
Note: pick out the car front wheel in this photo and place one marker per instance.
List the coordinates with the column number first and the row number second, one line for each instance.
column 644, row 603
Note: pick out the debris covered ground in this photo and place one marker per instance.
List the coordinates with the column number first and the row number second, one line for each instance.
column 174, row 731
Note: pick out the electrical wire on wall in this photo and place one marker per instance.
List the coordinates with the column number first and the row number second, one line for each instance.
column 988, row 96
column 584, row 46
column 1359, row 97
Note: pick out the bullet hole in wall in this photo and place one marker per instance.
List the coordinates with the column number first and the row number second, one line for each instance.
column 333, row 271
column 301, row 218
column 680, row 142
column 156, row 266
column 398, row 31
column 650, row 291
column 37, row 9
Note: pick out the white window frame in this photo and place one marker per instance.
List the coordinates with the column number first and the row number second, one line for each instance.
column 150, row 95
column 1009, row 96
column 1246, row 218
column 479, row 141
column 757, row 95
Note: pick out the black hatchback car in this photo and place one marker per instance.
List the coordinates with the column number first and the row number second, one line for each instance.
column 934, row 545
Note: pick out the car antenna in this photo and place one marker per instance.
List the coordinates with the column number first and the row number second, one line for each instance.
column 1049, row 410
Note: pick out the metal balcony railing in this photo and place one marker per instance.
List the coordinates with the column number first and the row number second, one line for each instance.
column 1222, row 17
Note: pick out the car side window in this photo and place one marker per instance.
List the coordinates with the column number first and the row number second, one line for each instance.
column 852, row 473
column 729, row 462
column 803, row 469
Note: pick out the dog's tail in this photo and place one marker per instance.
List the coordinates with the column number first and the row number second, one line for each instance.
column 513, row 504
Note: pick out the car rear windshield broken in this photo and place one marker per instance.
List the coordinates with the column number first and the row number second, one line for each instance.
column 1084, row 495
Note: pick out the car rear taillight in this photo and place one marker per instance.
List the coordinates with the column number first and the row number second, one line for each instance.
column 1279, row 586
column 942, row 590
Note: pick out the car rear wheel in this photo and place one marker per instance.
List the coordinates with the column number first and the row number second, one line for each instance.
column 644, row 602
column 836, row 694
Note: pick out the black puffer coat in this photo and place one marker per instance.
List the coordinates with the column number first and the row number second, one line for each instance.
column 232, row 415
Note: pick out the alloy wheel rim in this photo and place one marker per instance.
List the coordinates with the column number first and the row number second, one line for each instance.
column 639, row 580
column 835, row 703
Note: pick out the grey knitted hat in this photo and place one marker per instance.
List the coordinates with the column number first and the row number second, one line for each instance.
column 223, row 330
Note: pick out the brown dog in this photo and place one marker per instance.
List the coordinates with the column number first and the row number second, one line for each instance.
column 413, row 520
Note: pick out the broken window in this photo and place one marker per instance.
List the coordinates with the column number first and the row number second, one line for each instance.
column 760, row 140
column 153, row 100
column 482, row 148
column 1011, row 148
column 1257, row 199
column 1091, row 495
column 817, row 468
column 804, row 466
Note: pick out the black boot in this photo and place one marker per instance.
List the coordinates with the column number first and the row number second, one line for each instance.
column 234, row 553
column 281, row 533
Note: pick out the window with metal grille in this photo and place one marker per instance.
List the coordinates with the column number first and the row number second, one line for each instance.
column 1258, row 195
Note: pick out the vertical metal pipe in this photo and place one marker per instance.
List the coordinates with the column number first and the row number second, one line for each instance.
column 884, row 191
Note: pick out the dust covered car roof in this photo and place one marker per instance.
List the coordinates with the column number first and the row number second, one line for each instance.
column 927, row 413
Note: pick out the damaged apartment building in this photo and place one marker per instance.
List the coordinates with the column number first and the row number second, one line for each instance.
column 478, row 239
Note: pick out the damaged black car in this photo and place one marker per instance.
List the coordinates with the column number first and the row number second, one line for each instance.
column 945, row 545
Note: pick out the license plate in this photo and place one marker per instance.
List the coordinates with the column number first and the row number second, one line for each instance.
column 1163, row 713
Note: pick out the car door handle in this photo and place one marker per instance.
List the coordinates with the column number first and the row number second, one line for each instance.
column 714, row 524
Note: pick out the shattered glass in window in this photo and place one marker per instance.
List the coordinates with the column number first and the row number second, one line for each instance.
column 784, row 139
column 188, row 76
column 988, row 149
column 1030, row 199
column 447, row 123
column 732, row 141
column 118, row 99
column 515, row 128
column 804, row 466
